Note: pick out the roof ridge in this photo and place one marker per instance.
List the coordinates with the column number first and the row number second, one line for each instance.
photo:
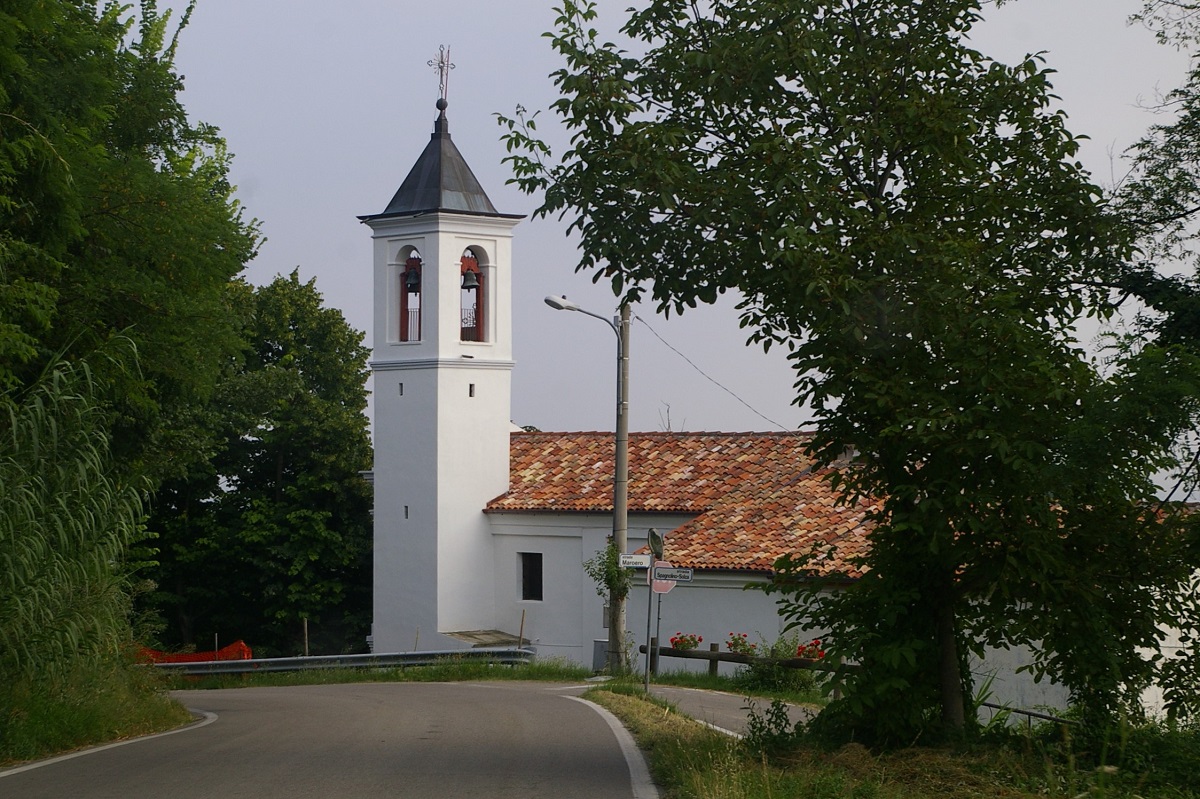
column 672, row 433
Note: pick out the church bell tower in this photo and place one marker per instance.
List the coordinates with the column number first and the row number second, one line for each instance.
column 442, row 373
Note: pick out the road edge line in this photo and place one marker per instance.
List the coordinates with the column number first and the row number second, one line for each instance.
column 639, row 772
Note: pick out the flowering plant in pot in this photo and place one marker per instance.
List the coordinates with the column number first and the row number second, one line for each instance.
column 686, row 640
column 739, row 644
column 811, row 651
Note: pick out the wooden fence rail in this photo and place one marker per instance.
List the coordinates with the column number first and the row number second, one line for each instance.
column 715, row 656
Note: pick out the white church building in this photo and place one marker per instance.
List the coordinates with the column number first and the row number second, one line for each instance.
column 481, row 529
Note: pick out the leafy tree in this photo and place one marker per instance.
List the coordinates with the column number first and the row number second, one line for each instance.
column 276, row 527
column 907, row 216
column 1160, row 201
column 116, row 219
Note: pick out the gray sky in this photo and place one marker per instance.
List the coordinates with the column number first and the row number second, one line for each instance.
column 326, row 106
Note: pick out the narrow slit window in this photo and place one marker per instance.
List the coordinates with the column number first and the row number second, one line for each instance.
column 531, row 576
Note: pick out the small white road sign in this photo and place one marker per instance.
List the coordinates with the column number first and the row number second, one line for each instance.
column 656, row 585
column 673, row 574
column 635, row 561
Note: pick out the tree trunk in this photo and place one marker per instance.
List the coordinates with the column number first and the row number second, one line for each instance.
column 949, row 677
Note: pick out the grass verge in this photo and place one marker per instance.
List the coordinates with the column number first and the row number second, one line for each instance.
column 690, row 761
column 93, row 705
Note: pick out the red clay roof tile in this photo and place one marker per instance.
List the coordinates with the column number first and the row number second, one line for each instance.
column 754, row 496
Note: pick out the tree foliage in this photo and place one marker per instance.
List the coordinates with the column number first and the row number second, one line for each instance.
column 116, row 219
column 275, row 527
column 1173, row 21
column 1160, row 201
column 908, row 217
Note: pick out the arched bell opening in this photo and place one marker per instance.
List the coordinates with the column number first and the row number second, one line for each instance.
column 410, row 298
column 472, row 298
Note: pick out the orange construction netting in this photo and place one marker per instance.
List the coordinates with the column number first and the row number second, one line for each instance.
column 238, row 650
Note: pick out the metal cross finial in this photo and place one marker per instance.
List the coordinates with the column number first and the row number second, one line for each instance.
column 443, row 66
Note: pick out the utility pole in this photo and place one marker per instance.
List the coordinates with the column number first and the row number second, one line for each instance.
column 616, row 604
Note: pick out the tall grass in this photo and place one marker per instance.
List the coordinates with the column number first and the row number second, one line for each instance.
column 66, row 523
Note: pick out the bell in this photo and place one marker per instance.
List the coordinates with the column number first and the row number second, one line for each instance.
column 470, row 280
column 412, row 281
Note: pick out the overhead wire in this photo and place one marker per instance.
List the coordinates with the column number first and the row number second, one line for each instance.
column 709, row 377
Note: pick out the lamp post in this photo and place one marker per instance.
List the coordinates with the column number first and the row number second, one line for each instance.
column 620, row 533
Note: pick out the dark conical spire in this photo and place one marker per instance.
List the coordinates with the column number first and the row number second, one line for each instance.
column 440, row 180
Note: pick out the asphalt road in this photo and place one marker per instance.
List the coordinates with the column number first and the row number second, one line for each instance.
column 723, row 711
column 360, row 741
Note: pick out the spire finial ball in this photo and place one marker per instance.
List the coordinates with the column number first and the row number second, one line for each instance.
column 441, row 104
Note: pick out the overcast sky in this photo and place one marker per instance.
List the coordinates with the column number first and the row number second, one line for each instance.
column 327, row 105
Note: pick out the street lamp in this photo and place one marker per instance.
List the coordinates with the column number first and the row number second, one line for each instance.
column 616, row 604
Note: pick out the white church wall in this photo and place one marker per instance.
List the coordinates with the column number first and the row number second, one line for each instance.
column 557, row 625
column 405, row 538
column 999, row 674
column 1172, row 647
column 553, row 623
column 712, row 606
column 571, row 616
column 472, row 469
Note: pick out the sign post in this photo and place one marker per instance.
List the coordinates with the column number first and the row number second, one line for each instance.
column 657, row 544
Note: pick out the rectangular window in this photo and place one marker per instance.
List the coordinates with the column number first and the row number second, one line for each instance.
column 531, row 575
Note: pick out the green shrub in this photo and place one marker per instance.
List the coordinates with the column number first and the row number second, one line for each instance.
column 769, row 732
column 764, row 675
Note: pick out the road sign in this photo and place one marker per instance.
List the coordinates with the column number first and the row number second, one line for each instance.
column 635, row 561
column 668, row 572
column 656, row 585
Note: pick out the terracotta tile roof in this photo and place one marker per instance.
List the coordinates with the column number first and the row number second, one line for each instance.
column 755, row 496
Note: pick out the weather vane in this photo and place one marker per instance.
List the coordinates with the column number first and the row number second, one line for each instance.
column 443, row 67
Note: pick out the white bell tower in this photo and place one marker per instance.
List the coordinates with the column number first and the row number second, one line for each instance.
column 442, row 367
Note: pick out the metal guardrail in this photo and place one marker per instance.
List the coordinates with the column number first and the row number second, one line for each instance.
column 501, row 655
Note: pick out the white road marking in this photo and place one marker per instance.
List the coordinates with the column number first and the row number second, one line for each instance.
column 639, row 773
